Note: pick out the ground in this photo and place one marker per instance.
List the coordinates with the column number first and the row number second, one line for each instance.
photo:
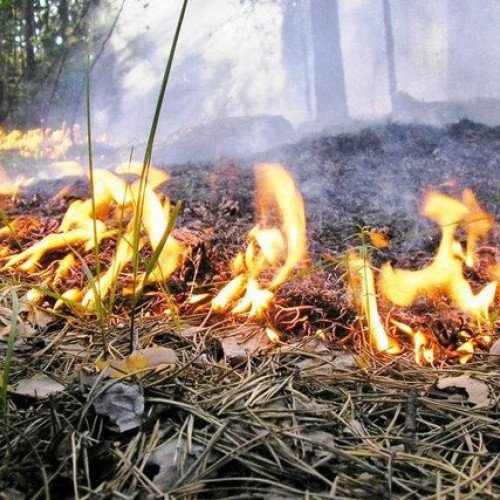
column 227, row 415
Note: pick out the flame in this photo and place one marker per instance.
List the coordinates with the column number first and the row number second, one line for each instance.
column 39, row 142
column 79, row 228
column 277, row 244
column 11, row 187
column 363, row 282
column 445, row 273
column 424, row 352
column 272, row 335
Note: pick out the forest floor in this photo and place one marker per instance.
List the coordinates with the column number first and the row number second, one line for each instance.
column 223, row 412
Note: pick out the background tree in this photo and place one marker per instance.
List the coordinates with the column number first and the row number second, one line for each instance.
column 329, row 81
column 391, row 62
column 35, row 41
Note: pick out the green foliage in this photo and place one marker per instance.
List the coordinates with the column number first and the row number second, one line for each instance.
column 9, row 351
column 4, row 4
column 36, row 40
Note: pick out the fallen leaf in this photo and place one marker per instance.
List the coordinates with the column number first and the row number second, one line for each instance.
column 313, row 367
column 39, row 317
column 38, row 386
column 137, row 362
column 159, row 356
column 173, row 459
column 237, row 349
column 123, row 404
column 495, row 352
column 189, row 331
column 347, row 362
column 477, row 390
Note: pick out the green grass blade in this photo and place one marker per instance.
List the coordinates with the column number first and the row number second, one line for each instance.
column 5, row 220
column 147, row 163
column 91, row 166
column 10, row 349
column 153, row 261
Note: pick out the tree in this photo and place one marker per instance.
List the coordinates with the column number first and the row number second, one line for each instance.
column 295, row 50
column 391, row 63
column 33, row 48
column 329, row 81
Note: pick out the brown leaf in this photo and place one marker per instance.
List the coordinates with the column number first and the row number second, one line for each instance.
column 138, row 361
column 495, row 352
column 38, row 386
column 477, row 390
column 39, row 317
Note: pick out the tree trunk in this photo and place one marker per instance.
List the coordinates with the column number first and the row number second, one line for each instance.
column 294, row 49
column 391, row 63
column 331, row 98
column 28, row 38
column 63, row 12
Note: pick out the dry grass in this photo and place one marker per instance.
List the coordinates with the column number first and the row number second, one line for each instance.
column 286, row 423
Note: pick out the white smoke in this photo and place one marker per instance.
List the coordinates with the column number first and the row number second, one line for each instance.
column 230, row 60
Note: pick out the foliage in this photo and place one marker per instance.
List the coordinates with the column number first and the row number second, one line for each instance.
column 36, row 39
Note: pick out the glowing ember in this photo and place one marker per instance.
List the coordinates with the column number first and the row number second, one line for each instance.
column 276, row 245
column 445, row 273
column 363, row 284
column 272, row 335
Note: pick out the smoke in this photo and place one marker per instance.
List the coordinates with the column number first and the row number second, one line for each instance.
column 247, row 58
column 228, row 63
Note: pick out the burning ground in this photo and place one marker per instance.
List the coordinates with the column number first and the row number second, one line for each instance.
column 283, row 393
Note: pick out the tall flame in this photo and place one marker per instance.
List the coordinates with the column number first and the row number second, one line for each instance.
column 363, row 282
column 276, row 245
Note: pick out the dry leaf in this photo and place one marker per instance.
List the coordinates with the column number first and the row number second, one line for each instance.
column 237, row 349
column 137, row 362
column 495, row 352
column 173, row 459
column 38, row 386
column 123, row 404
column 477, row 390
column 347, row 362
column 39, row 317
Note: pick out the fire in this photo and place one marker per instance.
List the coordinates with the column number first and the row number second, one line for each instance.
column 113, row 199
column 11, row 187
column 363, row 282
column 276, row 245
column 445, row 273
column 39, row 142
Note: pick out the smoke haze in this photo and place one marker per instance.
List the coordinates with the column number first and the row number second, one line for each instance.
column 244, row 58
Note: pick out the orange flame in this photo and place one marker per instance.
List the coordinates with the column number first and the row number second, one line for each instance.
column 78, row 228
column 276, row 244
column 363, row 282
column 11, row 187
column 445, row 273
column 39, row 142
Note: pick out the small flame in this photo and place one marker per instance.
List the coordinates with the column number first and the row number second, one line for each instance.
column 276, row 244
column 272, row 335
column 424, row 352
column 11, row 187
column 363, row 282
column 445, row 273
